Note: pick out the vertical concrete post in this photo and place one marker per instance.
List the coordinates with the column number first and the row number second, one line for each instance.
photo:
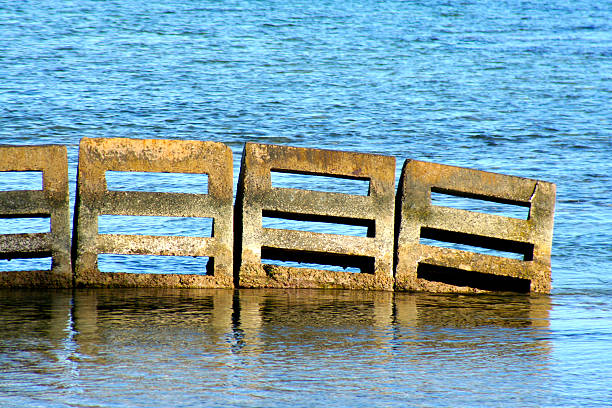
column 422, row 267
column 257, row 198
column 96, row 156
column 52, row 201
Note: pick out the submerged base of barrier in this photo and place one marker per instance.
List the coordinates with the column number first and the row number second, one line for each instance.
column 278, row 276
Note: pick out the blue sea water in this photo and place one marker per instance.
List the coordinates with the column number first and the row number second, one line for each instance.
column 516, row 87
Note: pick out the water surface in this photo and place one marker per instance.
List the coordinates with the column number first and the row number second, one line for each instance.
column 520, row 88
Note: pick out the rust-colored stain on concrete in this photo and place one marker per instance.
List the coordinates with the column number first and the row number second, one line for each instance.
column 430, row 268
column 52, row 201
column 96, row 156
column 257, row 198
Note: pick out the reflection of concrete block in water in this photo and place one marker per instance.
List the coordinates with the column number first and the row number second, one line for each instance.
column 438, row 269
column 51, row 202
column 373, row 211
column 96, row 156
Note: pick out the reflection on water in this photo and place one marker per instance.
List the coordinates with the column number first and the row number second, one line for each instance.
column 268, row 347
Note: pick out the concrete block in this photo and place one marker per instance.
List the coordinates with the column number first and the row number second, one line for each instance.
column 96, row 156
column 256, row 199
column 421, row 267
column 52, row 201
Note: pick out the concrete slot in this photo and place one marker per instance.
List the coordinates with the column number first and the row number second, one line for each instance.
column 157, row 182
column 258, row 198
column 420, row 267
column 152, row 225
column 94, row 199
column 455, row 200
column 50, row 202
column 153, row 264
column 330, row 184
column 21, row 180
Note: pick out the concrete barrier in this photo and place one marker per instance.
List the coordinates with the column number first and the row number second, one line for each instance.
column 257, row 198
column 431, row 268
column 96, row 156
column 430, row 240
column 52, row 201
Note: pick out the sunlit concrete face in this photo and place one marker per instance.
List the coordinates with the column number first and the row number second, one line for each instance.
column 96, row 156
column 371, row 254
column 51, row 201
column 437, row 269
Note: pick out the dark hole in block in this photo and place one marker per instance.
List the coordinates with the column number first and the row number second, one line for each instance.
column 318, row 260
column 21, row 180
column 477, row 280
column 480, row 203
column 155, row 225
column 318, row 182
column 25, row 224
column 157, row 182
column 155, row 264
column 318, row 223
column 477, row 243
column 25, row 262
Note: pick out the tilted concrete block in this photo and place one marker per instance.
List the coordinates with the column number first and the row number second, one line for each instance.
column 52, row 201
column 257, row 198
column 96, row 156
column 422, row 267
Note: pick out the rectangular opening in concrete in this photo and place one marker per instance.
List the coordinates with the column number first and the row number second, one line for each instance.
column 155, row 225
column 318, row 223
column 157, row 182
column 317, row 260
column 479, row 203
column 21, row 180
column 476, row 243
column 26, row 264
column 326, row 183
column 25, row 225
column 478, row 280
column 153, row 264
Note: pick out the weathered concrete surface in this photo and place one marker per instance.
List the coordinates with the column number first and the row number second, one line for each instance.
column 96, row 156
column 256, row 198
column 52, row 201
column 428, row 268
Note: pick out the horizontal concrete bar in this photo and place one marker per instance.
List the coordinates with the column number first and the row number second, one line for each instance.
column 471, row 261
column 161, row 204
column 472, row 183
column 309, row 202
column 24, row 203
column 318, row 242
column 157, row 245
column 478, row 224
column 32, row 243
